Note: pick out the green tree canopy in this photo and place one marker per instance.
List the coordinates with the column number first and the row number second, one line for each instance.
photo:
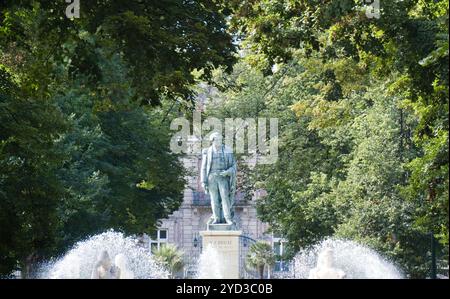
column 79, row 152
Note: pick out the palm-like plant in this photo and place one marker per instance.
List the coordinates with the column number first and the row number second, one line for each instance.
column 169, row 257
column 259, row 256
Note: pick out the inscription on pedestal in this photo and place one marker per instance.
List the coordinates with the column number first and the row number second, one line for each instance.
column 222, row 245
column 226, row 243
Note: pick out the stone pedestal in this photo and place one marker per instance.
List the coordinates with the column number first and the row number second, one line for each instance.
column 227, row 246
column 221, row 227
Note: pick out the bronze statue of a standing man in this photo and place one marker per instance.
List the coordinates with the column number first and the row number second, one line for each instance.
column 218, row 178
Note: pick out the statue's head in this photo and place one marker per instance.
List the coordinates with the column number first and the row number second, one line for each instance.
column 325, row 259
column 216, row 138
column 104, row 259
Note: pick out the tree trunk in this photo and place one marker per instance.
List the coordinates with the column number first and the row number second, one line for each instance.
column 27, row 269
column 261, row 272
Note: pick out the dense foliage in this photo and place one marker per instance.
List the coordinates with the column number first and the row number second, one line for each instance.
column 363, row 111
column 170, row 258
column 362, row 105
column 260, row 256
column 79, row 152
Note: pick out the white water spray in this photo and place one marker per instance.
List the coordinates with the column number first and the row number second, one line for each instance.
column 209, row 264
column 355, row 260
column 80, row 261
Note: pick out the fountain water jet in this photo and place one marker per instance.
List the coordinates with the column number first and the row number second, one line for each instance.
column 354, row 260
column 79, row 262
column 104, row 268
column 209, row 264
column 121, row 261
column 325, row 268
